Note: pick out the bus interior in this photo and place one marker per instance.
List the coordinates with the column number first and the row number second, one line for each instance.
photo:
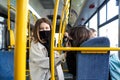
column 102, row 15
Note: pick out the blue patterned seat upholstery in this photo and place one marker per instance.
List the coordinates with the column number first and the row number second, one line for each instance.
column 93, row 66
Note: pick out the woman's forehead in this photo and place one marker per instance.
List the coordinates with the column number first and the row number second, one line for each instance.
column 43, row 24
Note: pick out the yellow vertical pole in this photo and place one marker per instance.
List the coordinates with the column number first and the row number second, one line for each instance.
column 8, row 20
column 20, row 43
column 52, row 40
column 62, row 21
column 66, row 17
column 34, row 17
column 60, row 29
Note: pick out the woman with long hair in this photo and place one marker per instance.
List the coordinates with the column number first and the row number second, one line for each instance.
column 40, row 52
column 77, row 35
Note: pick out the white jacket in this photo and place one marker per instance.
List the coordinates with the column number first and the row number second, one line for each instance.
column 39, row 63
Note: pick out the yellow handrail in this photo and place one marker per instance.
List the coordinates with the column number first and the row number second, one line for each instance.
column 60, row 29
column 62, row 23
column 20, row 41
column 86, row 48
column 52, row 39
column 66, row 18
column 34, row 17
column 12, row 8
column 8, row 20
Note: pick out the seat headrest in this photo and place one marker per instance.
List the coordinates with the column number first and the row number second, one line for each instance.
column 96, row 42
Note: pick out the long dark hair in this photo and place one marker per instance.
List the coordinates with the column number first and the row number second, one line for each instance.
column 79, row 34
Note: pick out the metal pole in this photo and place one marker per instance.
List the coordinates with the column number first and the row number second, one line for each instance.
column 52, row 40
column 20, row 40
column 60, row 29
column 8, row 20
column 119, row 28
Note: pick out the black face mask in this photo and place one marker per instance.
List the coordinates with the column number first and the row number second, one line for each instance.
column 45, row 35
column 65, row 39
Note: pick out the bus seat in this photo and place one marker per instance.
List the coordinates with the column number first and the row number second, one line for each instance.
column 7, row 65
column 93, row 66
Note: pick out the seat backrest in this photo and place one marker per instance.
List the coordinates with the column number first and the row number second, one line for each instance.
column 97, row 42
column 93, row 66
column 6, row 65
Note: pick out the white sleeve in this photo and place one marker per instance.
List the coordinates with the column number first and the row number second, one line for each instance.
column 38, row 56
column 59, row 58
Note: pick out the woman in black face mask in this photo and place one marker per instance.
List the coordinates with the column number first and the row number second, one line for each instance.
column 40, row 52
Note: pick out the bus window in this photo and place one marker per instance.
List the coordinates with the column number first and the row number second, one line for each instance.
column 1, row 31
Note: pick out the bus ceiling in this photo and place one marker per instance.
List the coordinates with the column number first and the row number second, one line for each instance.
column 80, row 10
